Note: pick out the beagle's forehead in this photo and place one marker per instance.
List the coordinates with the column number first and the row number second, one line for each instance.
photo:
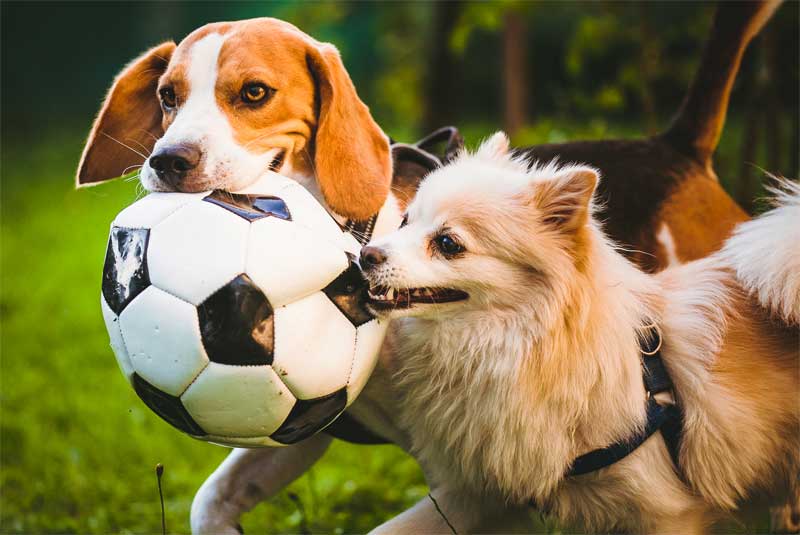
column 184, row 50
column 234, row 46
column 245, row 36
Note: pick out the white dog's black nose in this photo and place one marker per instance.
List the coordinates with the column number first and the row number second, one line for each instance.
column 372, row 256
column 172, row 163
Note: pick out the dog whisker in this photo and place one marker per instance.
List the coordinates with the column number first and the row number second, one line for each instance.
column 112, row 138
column 148, row 151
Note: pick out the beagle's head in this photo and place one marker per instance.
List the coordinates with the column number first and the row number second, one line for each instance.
column 235, row 99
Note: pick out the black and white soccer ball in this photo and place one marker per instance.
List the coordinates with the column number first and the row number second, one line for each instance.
column 239, row 318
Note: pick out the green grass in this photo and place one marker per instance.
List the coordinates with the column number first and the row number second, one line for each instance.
column 77, row 447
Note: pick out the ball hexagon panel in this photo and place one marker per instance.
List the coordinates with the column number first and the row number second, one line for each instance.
column 289, row 262
column 250, row 207
column 310, row 416
column 389, row 219
column 309, row 213
column 351, row 244
column 242, row 442
column 237, row 401
column 314, row 346
column 236, row 324
column 169, row 408
column 125, row 273
column 115, row 336
column 163, row 340
column 197, row 250
column 369, row 338
column 154, row 208
column 348, row 292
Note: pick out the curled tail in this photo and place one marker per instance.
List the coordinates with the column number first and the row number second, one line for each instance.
column 765, row 254
column 696, row 128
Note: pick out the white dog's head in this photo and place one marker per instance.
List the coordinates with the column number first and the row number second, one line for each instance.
column 484, row 232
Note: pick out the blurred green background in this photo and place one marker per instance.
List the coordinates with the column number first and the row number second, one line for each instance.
column 77, row 447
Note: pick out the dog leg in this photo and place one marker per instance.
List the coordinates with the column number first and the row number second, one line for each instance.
column 247, row 477
column 451, row 513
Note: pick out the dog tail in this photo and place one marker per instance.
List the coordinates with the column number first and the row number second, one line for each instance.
column 696, row 128
column 765, row 254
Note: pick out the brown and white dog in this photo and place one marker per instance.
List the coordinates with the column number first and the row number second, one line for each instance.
column 519, row 351
column 233, row 99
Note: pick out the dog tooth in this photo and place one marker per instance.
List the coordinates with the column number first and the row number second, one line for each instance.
column 390, row 294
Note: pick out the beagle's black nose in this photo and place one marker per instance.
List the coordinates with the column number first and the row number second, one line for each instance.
column 372, row 256
column 172, row 163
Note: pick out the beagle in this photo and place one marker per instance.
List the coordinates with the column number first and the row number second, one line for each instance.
column 235, row 99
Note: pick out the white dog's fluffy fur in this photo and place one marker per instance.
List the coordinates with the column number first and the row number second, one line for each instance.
column 503, row 390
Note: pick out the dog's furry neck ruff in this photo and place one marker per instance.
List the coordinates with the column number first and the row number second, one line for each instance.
column 568, row 379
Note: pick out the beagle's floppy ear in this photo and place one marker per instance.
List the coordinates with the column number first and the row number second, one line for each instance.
column 130, row 115
column 352, row 159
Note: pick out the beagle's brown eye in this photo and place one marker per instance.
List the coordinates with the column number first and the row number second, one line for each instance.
column 255, row 92
column 404, row 222
column 167, row 97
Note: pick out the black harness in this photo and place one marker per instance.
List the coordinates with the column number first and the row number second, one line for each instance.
column 665, row 418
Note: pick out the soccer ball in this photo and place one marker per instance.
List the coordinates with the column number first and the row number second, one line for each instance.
column 239, row 318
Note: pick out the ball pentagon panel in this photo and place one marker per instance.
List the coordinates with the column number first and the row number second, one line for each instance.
column 237, row 324
column 250, row 207
column 348, row 291
column 125, row 272
column 168, row 407
column 309, row 416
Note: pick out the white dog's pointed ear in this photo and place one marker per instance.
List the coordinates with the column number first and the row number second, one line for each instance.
column 564, row 199
column 494, row 147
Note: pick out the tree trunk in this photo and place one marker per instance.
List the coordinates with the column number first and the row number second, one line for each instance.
column 514, row 73
column 649, row 57
column 442, row 85
column 774, row 128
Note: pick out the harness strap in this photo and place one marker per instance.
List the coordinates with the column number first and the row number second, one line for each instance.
column 597, row 459
column 665, row 418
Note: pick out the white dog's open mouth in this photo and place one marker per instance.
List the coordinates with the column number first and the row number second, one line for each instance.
column 382, row 297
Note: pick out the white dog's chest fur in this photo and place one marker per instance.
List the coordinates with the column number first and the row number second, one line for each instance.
column 502, row 443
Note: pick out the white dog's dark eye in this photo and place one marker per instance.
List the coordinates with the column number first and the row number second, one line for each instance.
column 255, row 92
column 404, row 222
column 167, row 95
column 447, row 245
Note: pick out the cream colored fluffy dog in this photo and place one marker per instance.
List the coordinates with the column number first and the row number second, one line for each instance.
column 521, row 350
